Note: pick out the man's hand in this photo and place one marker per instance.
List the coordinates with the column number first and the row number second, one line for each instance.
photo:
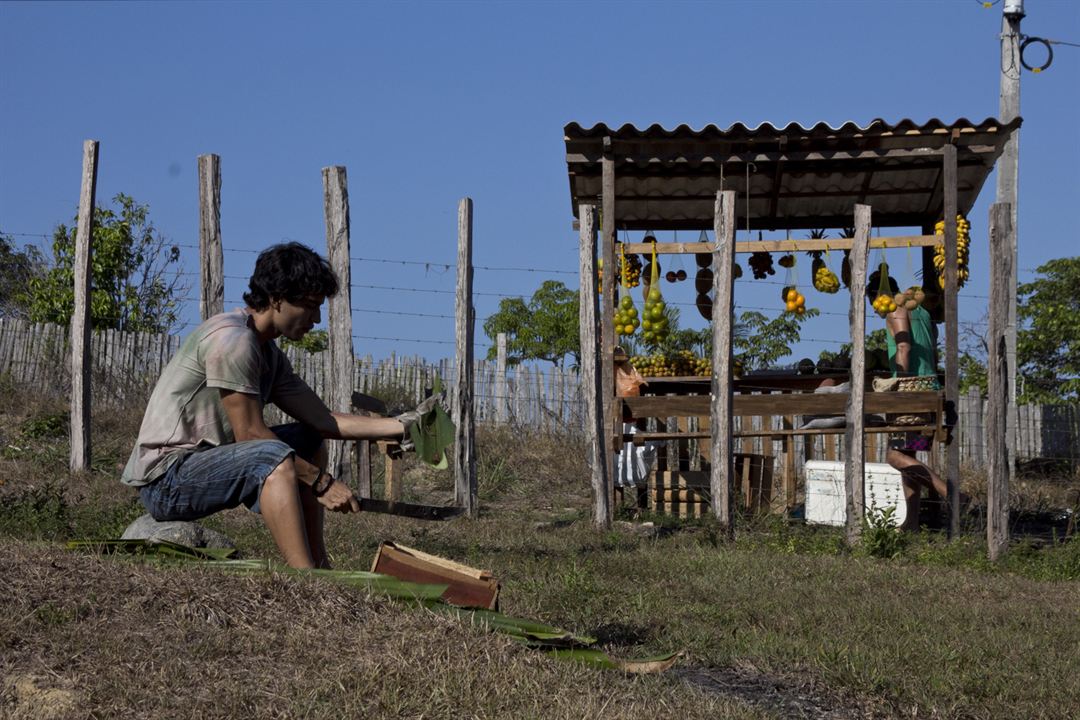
column 339, row 498
column 411, row 417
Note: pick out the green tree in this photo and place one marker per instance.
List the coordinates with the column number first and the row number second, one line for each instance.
column 314, row 342
column 763, row 341
column 544, row 328
column 1048, row 340
column 135, row 281
column 17, row 269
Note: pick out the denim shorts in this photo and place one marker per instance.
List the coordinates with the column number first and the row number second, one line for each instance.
column 205, row 481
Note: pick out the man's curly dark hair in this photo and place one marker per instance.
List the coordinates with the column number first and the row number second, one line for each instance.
column 291, row 272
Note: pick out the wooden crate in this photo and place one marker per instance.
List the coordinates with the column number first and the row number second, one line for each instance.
column 466, row 586
column 686, row 493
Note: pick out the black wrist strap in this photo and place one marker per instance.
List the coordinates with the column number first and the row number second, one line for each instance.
column 322, row 483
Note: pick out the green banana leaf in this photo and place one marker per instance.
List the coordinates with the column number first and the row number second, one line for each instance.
column 590, row 656
column 527, row 631
column 158, row 548
column 433, row 433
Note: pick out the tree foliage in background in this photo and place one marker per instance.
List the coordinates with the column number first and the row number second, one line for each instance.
column 135, row 281
column 545, row 328
column 314, row 342
column 763, row 342
column 17, row 269
column 1048, row 339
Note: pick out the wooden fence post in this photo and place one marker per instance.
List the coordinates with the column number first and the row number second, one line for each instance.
column 591, row 373
column 997, row 376
column 722, row 475
column 336, row 212
column 952, row 337
column 612, row 424
column 855, row 464
column 501, row 414
column 80, row 317
column 465, row 488
column 211, row 261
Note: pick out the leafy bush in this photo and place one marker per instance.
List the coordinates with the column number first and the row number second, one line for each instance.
column 880, row 537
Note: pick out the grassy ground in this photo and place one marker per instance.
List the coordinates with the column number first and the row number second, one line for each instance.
column 785, row 622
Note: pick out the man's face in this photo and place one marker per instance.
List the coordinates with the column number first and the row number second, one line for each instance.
column 295, row 318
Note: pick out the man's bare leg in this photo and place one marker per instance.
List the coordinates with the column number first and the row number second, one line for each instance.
column 915, row 476
column 283, row 511
column 314, row 515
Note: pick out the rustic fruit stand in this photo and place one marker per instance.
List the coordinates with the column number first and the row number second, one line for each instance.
column 902, row 175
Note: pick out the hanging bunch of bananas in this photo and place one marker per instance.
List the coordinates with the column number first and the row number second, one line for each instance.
column 963, row 242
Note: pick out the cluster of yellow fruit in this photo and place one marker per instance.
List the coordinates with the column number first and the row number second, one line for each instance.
column 626, row 317
column 629, row 271
column 654, row 326
column 963, row 243
column 794, row 301
column 825, row 280
column 884, row 304
column 681, row 364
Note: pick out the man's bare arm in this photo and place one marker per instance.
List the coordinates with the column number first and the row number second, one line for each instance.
column 308, row 408
column 900, row 326
column 245, row 415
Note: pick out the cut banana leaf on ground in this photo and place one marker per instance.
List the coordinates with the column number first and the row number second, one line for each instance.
column 527, row 631
column 157, row 548
column 433, row 433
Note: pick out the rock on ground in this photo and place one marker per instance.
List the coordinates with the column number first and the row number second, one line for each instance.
column 184, row 533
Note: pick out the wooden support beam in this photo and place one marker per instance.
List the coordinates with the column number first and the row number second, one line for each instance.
column 750, row 246
column 612, row 423
column 501, row 412
column 855, row 463
column 339, row 314
column 465, row 487
column 998, row 390
column 211, row 256
column 80, row 316
column 591, row 373
column 952, row 345
column 721, row 418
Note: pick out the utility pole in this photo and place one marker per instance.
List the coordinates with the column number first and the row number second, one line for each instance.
column 1007, row 192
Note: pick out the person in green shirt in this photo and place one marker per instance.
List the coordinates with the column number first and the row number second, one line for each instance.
column 912, row 344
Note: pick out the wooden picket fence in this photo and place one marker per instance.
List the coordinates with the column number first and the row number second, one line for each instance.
column 536, row 399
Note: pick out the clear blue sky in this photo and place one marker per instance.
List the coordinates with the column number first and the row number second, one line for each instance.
column 426, row 103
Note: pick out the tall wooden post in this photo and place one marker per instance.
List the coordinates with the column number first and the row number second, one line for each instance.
column 80, row 317
column 722, row 474
column 952, row 337
column 211, row 260
column 336, row 214
column 612, row 424
column 592, row 371
column 501, row 414
column 998, row 387
column 1008, row 171
column 854, row 448
column 465, row 492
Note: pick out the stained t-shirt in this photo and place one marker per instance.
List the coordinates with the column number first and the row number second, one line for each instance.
column 185, row 412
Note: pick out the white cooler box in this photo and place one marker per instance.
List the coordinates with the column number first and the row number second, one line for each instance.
column 826, row 501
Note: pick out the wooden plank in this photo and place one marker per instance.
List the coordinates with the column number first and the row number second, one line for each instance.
column 998, row 389
column 782, row 404
column 854, row 465
column 466, row 586
column 798, row 245
column 789, row 477
column 211, row 258
column 465, row 487
column 952, row 353
column 80, row 317
column 591, row 373
column 612, row 423
column 335, row 185
column 722, row 452
column 392, row 470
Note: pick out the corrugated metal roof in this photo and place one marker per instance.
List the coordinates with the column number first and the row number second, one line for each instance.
column 799, row 177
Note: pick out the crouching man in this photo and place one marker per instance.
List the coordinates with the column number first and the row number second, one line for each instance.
column 203, row 445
